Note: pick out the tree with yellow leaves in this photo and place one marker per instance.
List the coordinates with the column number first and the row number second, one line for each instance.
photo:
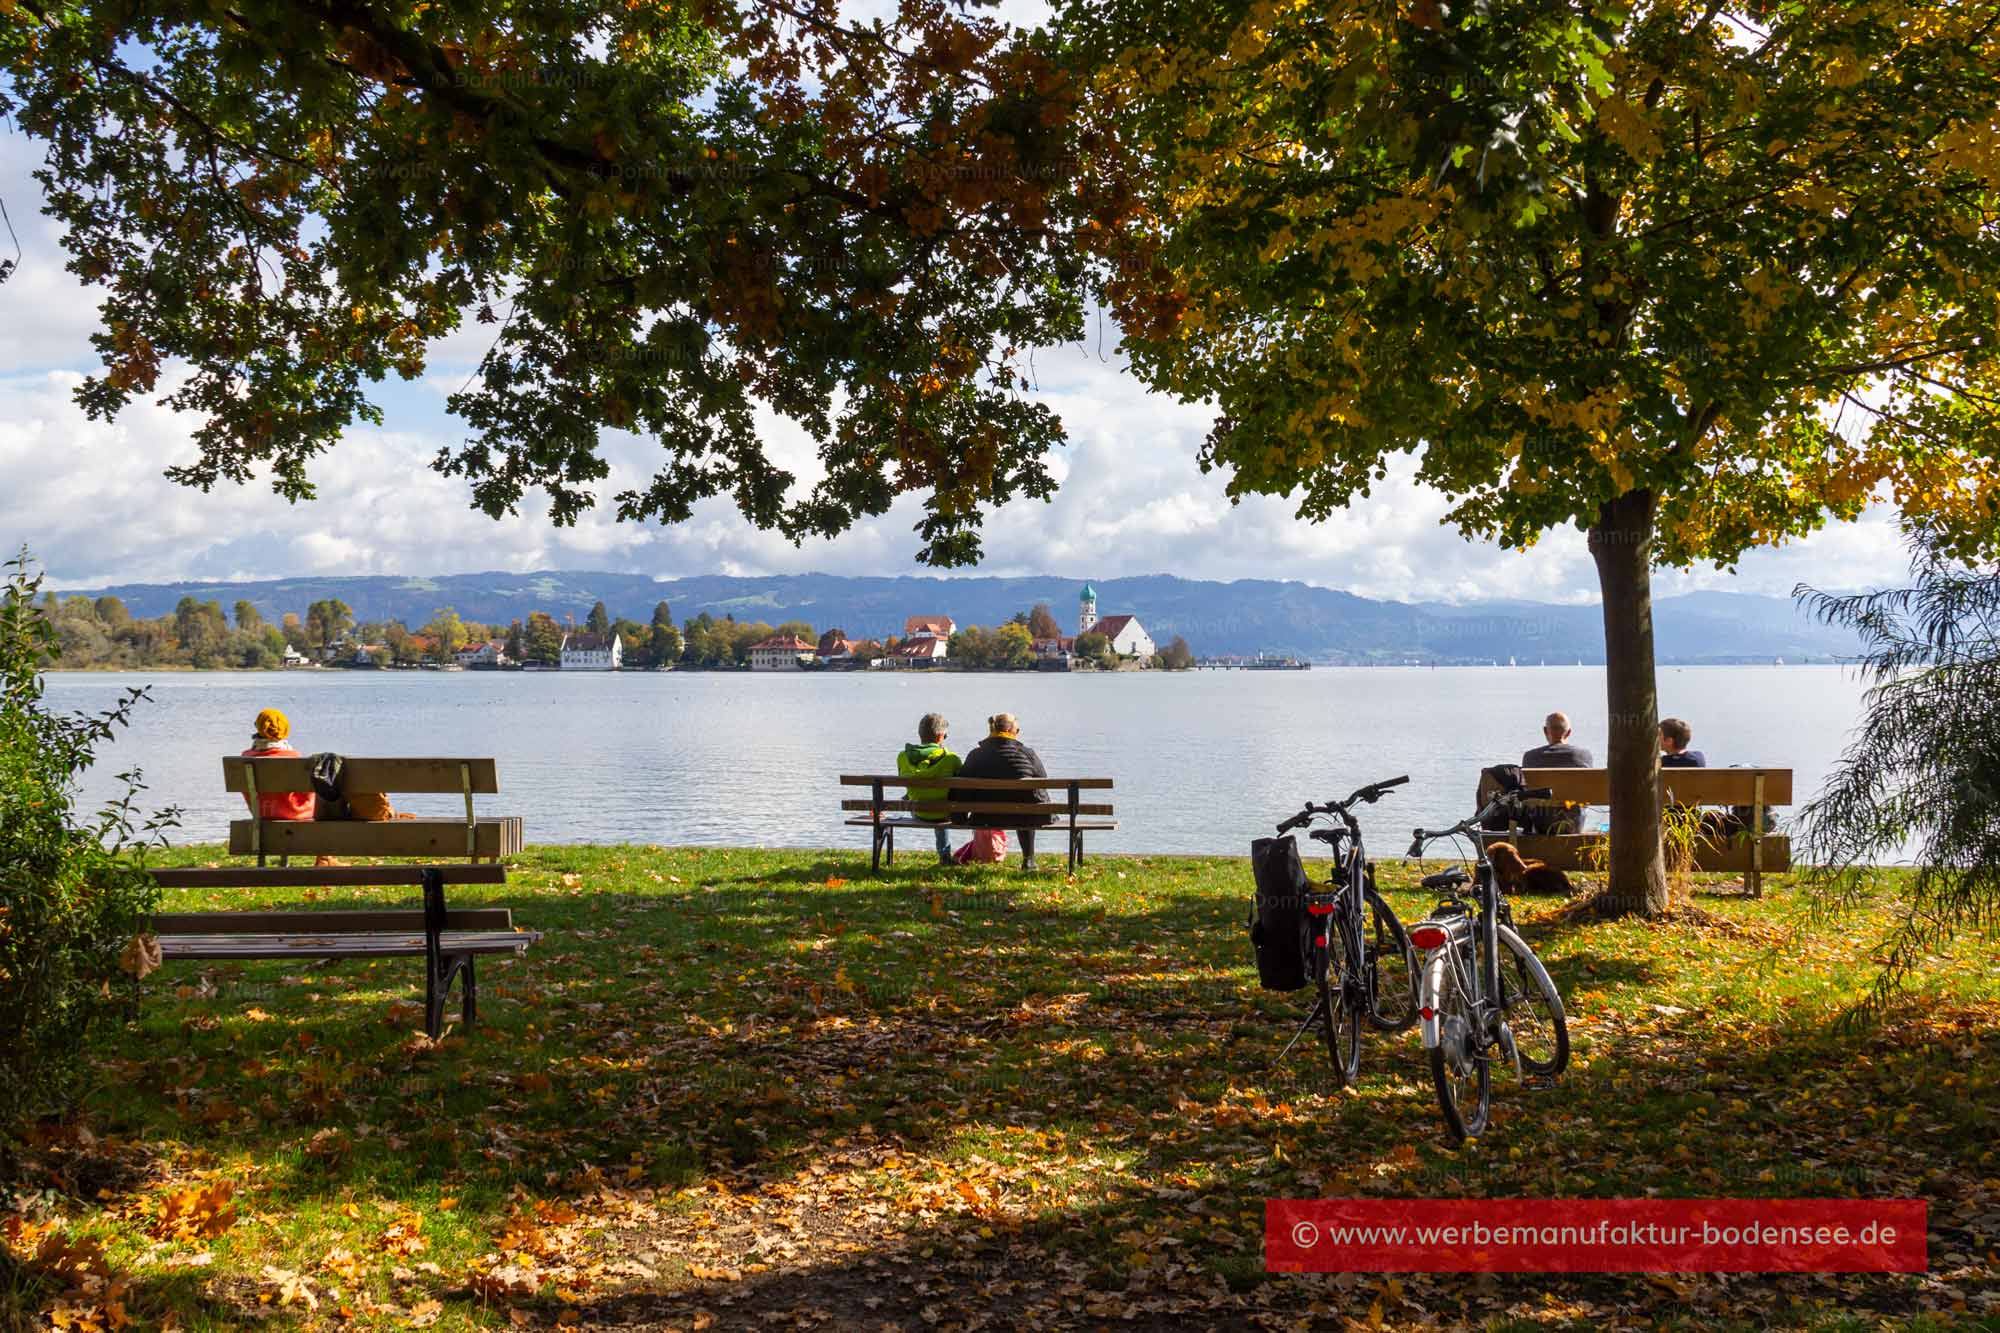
column 1694, row 278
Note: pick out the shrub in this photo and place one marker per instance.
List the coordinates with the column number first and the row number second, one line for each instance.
column 73, row 894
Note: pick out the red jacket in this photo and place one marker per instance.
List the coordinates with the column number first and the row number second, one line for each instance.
column 284, row 804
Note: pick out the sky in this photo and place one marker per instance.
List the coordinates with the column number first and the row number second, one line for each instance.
column 90, row 501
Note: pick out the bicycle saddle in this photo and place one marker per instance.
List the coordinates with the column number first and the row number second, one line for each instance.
column 1446, row 880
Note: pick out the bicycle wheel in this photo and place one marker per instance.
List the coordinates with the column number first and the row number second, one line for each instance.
column 1460, row 1068
column 1339, row 1015
column 1392, row 968
column 1533, row 1009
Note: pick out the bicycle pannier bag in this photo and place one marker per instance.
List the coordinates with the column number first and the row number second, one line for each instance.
column 1278, row 917
column 1502, row 777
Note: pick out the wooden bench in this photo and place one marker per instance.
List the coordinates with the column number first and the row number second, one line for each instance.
column 1069, row 813
column 446, row 938
column 1750, row 853
column 471, row 838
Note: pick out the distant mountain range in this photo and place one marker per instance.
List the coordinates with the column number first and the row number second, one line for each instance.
column 1244, row 617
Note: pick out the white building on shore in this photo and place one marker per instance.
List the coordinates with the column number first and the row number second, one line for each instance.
column 591, row 652
column 779, row 653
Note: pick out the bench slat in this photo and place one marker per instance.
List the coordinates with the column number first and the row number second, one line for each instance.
column 1688, row 786
column 388, row 837
column 983, row 807
column 280, row 774
column 340, row 946
column 1565, row 851
column 984, row 784
column 337, row 922
column 305, row 877
column 1094, row 826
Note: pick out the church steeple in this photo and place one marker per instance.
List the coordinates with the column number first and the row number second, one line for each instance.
column 1086, row 610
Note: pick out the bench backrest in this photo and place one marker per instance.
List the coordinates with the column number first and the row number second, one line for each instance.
column 995, row 791
column 479, row 777
column 1678, row 786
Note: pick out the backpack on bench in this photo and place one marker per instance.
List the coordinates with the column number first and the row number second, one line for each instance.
column 1278, row 917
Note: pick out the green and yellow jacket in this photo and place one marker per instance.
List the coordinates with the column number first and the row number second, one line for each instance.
column 927, row 761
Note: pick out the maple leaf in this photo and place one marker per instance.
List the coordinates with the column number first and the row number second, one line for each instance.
column 201, row 1211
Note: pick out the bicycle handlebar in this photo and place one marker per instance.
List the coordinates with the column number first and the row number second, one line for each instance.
column 1500, row 802
column 1369, row 794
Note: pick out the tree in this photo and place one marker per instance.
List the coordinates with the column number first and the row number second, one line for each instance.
column 799, row 629
column 1094, row 648
column 671, row 215
column 446, row 633
column 1176, row 656
column 663, row 615
column 1923, row 766
column 1013, row 649
column 326, row 621
column 247, row 617
column 542, row 639
column 112, row 612
column 598, row 621
column 664, row 646
column 514, row 648
column 1042, row 622
column 1693, row 281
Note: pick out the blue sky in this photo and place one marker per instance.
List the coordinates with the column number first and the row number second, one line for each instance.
column 89, row 498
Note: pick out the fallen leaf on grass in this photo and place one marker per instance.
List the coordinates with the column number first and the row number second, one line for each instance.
column 203, row 1211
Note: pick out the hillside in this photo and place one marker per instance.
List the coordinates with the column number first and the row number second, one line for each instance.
column 1246, row 616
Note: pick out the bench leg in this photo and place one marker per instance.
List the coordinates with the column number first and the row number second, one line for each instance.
column 891, row 845
column 469, row 995
column 875, row 857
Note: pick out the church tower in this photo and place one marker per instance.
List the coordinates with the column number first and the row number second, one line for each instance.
column 1086, row 610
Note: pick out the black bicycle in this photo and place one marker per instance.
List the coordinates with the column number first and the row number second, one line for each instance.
column 1357, row 953
column 1478, row 1005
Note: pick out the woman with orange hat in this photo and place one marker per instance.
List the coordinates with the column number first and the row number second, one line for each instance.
column 272, row 728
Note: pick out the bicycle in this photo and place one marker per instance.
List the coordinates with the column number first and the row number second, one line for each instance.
column 1357, row 953
column 1471, row 1007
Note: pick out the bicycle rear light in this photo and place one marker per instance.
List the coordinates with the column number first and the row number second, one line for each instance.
column 1428, row 936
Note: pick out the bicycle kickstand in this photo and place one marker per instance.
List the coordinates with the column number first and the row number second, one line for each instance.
column 1319, row 1007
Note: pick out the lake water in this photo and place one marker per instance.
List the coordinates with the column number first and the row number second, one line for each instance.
column 1203, row 761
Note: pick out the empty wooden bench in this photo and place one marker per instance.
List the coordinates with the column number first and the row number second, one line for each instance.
column 472, row 838
column 1750, row 853
column 447, row 939
column 1068, row 813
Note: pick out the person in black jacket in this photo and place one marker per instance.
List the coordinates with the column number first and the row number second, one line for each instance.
column 1001, row 755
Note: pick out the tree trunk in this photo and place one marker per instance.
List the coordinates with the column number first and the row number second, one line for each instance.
column 1621, row 544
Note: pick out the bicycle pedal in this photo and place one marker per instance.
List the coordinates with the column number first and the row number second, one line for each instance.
column 1538, row 1082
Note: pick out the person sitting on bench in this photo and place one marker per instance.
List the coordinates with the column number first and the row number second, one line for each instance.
column 1558, row 753
column 1674, row 753
column 927, row 758
column 1001, row 755
column 272, row 728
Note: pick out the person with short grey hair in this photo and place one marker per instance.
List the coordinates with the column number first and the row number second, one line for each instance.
column 928, row 758
column 1558, row 753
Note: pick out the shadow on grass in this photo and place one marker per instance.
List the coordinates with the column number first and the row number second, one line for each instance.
column 736, row 1031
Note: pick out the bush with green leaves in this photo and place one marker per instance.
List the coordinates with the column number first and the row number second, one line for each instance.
column 1920, row 778
column 74, row 896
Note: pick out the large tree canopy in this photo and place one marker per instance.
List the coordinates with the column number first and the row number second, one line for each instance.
column 667, row 213
column 1695, row 277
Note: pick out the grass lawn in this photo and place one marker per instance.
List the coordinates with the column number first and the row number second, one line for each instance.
column 745, row 1089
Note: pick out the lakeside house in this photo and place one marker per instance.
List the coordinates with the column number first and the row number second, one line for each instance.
column 938, row 627
column 591, row 652
column 781, row 652
column 490, row 654
column 834, row 649
column 294, row 658
column 926, row 650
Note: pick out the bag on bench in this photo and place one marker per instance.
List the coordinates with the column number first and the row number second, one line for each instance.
column 1278, row 918
column 332, row 800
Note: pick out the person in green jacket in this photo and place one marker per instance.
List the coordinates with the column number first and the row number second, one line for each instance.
column 929, row 759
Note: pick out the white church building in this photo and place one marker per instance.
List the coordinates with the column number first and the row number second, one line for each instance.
column 1128, row 637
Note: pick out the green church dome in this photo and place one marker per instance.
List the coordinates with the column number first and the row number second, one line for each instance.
column 1089, row 594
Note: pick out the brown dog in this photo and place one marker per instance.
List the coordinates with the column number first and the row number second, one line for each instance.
column 1517, row 874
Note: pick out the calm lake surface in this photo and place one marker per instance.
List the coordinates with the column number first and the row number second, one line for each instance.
column 1204, row 761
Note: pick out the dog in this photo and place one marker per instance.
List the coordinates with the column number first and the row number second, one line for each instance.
column 1517, row 874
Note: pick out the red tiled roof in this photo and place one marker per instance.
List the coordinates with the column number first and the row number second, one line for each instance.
column 939, row 625
column 1110, row 626
column 786, row 642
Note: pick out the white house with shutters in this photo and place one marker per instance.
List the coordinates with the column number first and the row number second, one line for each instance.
column 592, row 652
column 779, row 653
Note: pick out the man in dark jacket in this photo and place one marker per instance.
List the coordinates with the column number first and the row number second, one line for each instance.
column 1558, row 753
column 1001, row 755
